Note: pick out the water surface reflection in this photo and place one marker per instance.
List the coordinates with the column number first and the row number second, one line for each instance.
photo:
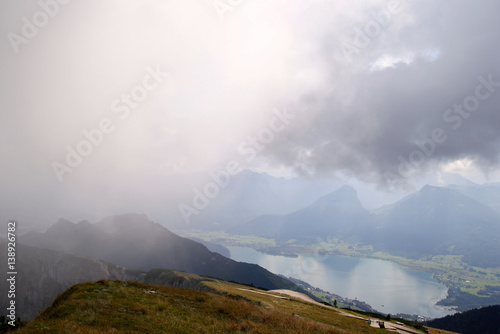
column 386, row 286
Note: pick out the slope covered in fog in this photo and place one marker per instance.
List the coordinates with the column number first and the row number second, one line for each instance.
column 135, row 242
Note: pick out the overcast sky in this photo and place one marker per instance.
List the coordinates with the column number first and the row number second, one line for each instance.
column 381, row 92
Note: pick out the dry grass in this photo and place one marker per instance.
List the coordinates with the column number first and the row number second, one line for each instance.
column 438, row 331
column 297, row 306
column 126, row 307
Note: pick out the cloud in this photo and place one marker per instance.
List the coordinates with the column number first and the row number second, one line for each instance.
column 376, row 107
column 356, row 115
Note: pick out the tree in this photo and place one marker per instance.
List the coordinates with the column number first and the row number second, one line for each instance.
column 388, row 318
column 335, row 303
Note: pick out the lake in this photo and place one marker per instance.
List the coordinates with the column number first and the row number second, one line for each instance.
column 385, row 285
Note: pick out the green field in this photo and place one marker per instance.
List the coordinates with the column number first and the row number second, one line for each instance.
column 232, row 240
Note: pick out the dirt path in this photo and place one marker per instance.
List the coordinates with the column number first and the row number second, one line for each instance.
column 308, row 299
column 263, row 293
column 298, row 295
column 388, row 325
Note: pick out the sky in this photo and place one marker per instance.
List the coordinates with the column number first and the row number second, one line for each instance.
column 116, row 106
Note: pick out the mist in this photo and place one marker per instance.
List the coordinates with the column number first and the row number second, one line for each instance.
column 127, row 106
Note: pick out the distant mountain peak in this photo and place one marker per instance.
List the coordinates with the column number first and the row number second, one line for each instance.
column 347, row 189
column 443, row 179
column 61, row 225
column 344, row 193
column 429, row 188
column 431, row 195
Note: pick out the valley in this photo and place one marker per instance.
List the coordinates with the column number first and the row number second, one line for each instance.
column 451, row 231
column 262, row 166
column 469, row 282
column 69, row 253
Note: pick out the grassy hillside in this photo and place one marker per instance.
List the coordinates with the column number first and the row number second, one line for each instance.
column 131, row 307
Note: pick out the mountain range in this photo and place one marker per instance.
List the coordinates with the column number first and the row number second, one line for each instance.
column 488, row 194
column 431, row 221
column 250, row 194
column 132, row 241
column 458, row 219
column 338, row 213
column 124, row 247
column 439, row 220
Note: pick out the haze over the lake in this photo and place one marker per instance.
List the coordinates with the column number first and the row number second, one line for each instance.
column 127, row 106
column 386, row 286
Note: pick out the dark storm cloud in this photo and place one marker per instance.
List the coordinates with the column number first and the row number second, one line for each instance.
column 361, row 102
column 374, row 116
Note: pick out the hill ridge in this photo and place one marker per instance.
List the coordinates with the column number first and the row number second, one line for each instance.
column 132, row 307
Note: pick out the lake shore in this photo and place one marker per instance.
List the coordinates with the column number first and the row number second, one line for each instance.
column 470, row 285
column 376, row 282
